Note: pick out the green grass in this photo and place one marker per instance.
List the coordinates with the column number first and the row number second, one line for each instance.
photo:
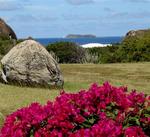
column 77, row 76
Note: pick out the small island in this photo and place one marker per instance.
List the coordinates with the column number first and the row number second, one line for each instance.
column 80, row 36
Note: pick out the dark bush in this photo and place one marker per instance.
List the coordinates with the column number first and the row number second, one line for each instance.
column 6, row 45
column 67, row 52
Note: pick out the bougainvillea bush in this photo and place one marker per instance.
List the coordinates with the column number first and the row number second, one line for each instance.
column 101, row 111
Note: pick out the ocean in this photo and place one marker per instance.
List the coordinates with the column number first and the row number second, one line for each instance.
column 81, row 41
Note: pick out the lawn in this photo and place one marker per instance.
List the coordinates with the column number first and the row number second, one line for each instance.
column 77, row 76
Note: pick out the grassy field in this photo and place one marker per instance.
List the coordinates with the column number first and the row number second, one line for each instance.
column 77, row 76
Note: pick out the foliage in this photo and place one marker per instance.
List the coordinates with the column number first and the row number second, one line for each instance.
column 101, row 111
column 54, row 56
column 4, row 37
column 1, row 56
column 90, row 58
column 67, row 52
column 105, row 54
column 132, row 49
column 5, row 44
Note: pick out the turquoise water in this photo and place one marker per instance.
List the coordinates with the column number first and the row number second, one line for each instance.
column 81, row 41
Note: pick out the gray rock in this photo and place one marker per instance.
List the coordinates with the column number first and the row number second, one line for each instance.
column 6, row 30
column 131, row 33
column 29, row 63
column 138, row 33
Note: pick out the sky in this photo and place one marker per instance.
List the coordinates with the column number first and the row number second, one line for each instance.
column 58, row 18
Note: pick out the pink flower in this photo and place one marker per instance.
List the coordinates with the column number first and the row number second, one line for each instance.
column 134, row 132
column 101, row 111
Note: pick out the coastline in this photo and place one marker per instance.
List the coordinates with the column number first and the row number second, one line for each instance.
column 81, row 41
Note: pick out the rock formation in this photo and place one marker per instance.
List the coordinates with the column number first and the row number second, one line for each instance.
column 138, row 33
column 29, row 63
column 6, row 30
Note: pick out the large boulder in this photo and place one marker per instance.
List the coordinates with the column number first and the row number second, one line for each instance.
column 29, row 63
column 6, row 30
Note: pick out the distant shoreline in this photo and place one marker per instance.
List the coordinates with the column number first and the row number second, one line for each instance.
column 81, row 41
column 80, row 36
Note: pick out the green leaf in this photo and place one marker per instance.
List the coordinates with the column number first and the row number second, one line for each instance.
column 147, row 115
column 32, row 133
column 134, row 121
column 92, row 121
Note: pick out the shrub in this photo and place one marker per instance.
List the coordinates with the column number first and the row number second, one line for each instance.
column 130, row 50
column 134, row 49
column 90, row 58
column 67, row 52
column 54, row 56
column 105, row 54
column 101, row 111
column 6, row 44
column 4, row 37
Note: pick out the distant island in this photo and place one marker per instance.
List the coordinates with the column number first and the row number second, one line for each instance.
column 80, row 36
